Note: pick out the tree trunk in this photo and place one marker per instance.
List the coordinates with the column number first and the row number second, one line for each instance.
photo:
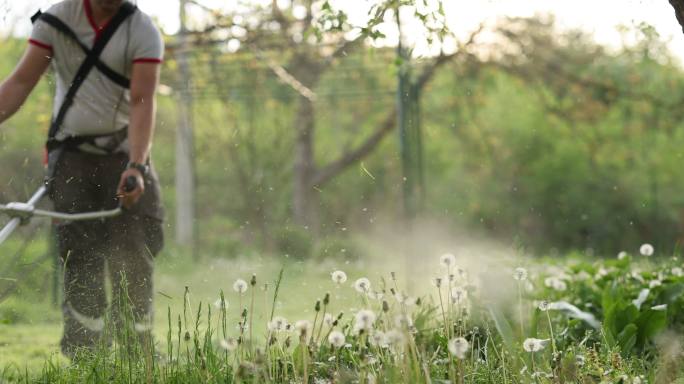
column 305, row 206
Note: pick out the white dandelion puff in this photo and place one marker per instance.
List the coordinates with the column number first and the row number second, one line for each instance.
column 229, row 344
column 362, row 285
column 336, row 339
column 555, row 283
column 303, row 327
column 394, row 338
column 338, row 277
column 534, row 345
column 677, row 271
column 364, row 320
column 278, row 324
column 328, row 319
column 437, row 282
column 520, row 274
column 543, row 305
column 378, row 339
column 240, row 286
column 403, row 321
column 622, row 255
column 459, row 347
column 646, row 249
column 459, row 295
column 447, row 260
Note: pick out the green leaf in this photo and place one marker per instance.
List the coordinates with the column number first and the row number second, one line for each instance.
column 504, row 328
column 627, row 339
column 672, row 292
column 650, row 323
column 300, row 356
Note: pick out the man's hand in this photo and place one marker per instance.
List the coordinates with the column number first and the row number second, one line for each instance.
column 130, row 198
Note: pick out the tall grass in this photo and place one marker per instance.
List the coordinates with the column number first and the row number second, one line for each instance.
column 456, row 334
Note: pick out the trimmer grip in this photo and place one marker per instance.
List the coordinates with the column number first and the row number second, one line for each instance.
column 131, row 184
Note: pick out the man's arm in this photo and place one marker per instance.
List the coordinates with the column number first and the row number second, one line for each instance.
column 144, row 82
column 16, row 88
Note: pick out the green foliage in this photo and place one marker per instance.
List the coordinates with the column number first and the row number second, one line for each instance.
column 295, row 242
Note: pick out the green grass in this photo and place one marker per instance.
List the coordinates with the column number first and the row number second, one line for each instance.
column 635, row 342
column 27, row 344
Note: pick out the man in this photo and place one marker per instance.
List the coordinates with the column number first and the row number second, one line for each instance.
column 100, row 139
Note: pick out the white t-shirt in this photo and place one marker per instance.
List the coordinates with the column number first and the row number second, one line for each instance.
column 100, row 106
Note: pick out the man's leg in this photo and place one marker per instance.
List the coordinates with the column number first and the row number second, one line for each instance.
column 80, row 246
column 131, row 267
column 85, row 300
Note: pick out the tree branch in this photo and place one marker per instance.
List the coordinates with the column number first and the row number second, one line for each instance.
column 328, row 172
column 348, row 158
column 331, row 170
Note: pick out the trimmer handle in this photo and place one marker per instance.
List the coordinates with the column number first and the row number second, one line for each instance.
column 130, row 184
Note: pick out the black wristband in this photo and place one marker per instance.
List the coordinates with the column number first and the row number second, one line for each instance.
column 143, row 168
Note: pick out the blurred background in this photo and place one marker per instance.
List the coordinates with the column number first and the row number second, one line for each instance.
column 329, row 132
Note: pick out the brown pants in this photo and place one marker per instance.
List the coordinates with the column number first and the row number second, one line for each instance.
column 120, row 248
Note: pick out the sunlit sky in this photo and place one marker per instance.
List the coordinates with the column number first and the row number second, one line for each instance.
column 599, row 17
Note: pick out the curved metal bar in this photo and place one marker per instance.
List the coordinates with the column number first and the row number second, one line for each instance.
column 15, row 222
column 78, row 216
column 24, row 211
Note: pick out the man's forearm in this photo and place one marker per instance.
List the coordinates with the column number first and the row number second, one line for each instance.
column 140, row 130
column 12, row 96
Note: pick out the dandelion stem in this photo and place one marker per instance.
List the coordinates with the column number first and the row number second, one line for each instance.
column 553, row 340
column 520, row 309
column 441, row 304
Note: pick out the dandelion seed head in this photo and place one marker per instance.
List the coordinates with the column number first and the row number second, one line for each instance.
column 459, row 295
column 230, row 344
column 677, row 271
column 534, row 345
column 437, row 282
column 336, row 339
column 303, row 327
column 240, row 286
column 378, row 339
column 555, row 283
column 447, row 260
column 394, row 337
column 646, row 250
column 364, row 320
column 328, row 319
column 622, row 255
column 544, row 305
column 362, row 285
column 580, row 360
column 520, row 274
column 278, row 324
column 338, row 277
column 403, row 321
column 458, row 347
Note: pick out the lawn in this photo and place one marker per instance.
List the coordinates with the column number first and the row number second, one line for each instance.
column 474, row 319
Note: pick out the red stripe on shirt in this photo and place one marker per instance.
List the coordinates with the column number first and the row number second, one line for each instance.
column 40, row 44
column 89, row 14
column 148, row 60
